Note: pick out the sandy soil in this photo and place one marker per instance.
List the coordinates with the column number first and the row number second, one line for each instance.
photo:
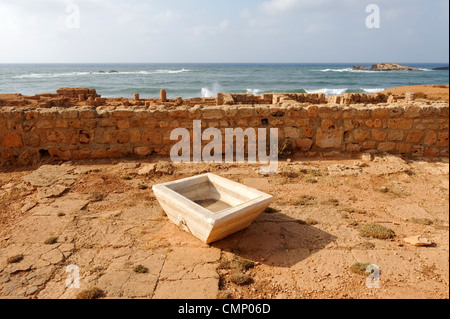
column 423, row 92
column 103, row 218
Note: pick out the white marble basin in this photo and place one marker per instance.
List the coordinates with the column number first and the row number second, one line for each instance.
column 211, row 207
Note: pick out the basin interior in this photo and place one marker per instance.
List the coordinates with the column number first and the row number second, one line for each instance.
column 213, row 194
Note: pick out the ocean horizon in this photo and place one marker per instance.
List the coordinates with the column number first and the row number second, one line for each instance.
column 189, row 80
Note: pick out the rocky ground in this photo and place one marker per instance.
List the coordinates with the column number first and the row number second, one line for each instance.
column 103, row 218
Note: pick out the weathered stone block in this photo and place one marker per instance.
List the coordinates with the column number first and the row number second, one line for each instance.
column 380, row 112
column 277, row 122
column 72, row 138
column 60, row 155
column 349, row 113
column 12, row 140
column 387, row 147
column 195, row 113
column 97, row 154
column 164, row 124
column 116, row 153
column 87, row 114
column 305, row 144
column 102, row 137
column 352, row 147
column 48, row 114
column 418, row 151
column 123, row 124
column 329, row 135
column 305, row 122
column 261, row 110
column 361, row 135
column 143, row 151
column 135, row 135
column 400, row 123
column 442, row 139
column 415, row 137
column 430, row 138
column 179, row 112
column 151, row 137
column 31, row 115
column 396, row 112
column 246, row 112
column 413, row 112
column 107, row 123
column 81, row 154
column 312, row 111
column 404, row 148
column 163, row 96
column 396, row 136
column 45, row 124
column 32, row 140
column 76, row 124
column 432, row 152
column 374, row 123
column 56, row 136
column 364, row 113
column 122, row 113
column 350, row 125
column 308, row 132
column 119, row 137
column 370, row 145
column 291, row 132
column 62, row 124
column 213, row 113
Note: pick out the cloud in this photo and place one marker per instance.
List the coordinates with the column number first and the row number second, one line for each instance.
column 245, row 14
column 201, row 31
column 142, row 30
column 167, row 16
column 274, row 7
column 319, row 28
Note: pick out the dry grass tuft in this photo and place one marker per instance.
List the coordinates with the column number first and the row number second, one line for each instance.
column 376, row 231
column 51, row 241
column 359, row 269
column 14, row 259
column 92, row 293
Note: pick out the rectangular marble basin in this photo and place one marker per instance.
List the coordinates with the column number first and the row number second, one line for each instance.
column 211, row 207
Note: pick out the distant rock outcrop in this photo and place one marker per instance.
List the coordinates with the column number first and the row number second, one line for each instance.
column 359, row 68
column 442, row 68
column 385, row 67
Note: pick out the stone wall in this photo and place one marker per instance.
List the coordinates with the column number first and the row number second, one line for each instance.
column 28, row 135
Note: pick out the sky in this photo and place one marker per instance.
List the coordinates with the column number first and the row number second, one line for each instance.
column 213, row 31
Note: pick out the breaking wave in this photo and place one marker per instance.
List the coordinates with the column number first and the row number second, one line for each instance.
column 371, row 91
column 212, row 92
column 332, row 92
column 255, row 92
column 351, row 70
column 112, row 72
column 328, row 92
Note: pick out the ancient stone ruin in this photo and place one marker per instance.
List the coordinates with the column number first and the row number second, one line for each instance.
column 77, row 124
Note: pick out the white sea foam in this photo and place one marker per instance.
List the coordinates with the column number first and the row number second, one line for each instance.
column 328, row 92
column 337, row 70
column 351, row 70
column 171, row 71
column 255, row 92
column 211, row 92
column 57, row 75
column 207, row 92
column 371, row 91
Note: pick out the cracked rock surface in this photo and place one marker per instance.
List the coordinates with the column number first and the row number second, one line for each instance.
column 100, row 219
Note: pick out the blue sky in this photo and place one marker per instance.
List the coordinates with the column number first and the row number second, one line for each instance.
column 232, row 31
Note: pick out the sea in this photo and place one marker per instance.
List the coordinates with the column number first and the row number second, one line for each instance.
column 206, row 80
